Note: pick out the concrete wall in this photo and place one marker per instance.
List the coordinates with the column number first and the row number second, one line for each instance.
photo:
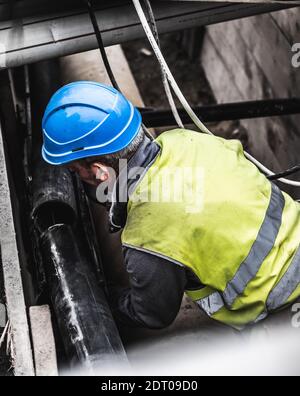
column 250, row 59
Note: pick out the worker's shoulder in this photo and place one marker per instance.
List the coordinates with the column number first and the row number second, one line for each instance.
column 183, row 137
column 179, row 133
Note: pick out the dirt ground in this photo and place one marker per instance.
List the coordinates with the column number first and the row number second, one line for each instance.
column 147, row 73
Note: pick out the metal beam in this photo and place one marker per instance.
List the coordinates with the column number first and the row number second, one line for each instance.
column 44, row 36
column 284, row 2
column 225, row 112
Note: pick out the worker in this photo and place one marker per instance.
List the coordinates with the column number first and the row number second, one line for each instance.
column 196, row 216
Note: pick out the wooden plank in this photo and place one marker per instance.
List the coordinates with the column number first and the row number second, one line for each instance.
column 260, row 39
column 288, row 23
column 238, row 61
column 259, row 59
column 273, row 143
column 260, row 36
column 253, row 56
column 2, row 316
column 43, row 342
column 221, row 75
column 22, row 353
column 241, row 41
column 279, row 78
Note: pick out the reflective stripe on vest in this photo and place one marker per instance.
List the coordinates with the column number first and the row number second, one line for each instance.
column 277, row 298
column 250, row 267
column 260, row 250
column 286, row 286
column 211, row 304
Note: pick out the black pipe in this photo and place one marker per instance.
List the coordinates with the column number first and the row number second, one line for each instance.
column 225, row 112
column 54, row 200
column 65, row 249
column 88, row 332
column 45, row 80
column 90, row 336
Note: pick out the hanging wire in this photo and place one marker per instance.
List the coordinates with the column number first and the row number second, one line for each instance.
column 286, row 173
column 165, row 81
column 202, row 128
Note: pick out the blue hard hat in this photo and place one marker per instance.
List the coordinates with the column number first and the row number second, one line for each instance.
column 86, row 119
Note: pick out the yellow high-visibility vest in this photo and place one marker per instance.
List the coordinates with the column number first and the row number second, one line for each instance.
column 203, row 205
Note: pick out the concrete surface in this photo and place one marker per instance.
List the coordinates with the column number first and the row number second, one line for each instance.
column 23, row 362
column 43, row 341
column 251, row 59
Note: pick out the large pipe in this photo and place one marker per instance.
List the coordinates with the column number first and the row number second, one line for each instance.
column 89, row 333
column 64, row 245
column 54, row 200
column 47, row 36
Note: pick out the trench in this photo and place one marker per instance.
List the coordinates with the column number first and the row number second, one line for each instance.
column 65, row 249
column 54, row 221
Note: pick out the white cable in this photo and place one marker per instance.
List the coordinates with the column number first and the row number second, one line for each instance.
column 166, row 69
column 171, row 99
column 164, row 76
column 181, row 97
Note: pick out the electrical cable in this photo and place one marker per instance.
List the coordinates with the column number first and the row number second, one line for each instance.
column 288, row 172
column 202, row 128
column 165, row 80
column 101, row 45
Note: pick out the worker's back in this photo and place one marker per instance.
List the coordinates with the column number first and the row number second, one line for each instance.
column 203, row 205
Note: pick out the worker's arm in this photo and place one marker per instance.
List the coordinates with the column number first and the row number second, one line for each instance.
column 155, row 296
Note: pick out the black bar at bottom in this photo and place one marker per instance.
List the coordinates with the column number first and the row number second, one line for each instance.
column 225, row 112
